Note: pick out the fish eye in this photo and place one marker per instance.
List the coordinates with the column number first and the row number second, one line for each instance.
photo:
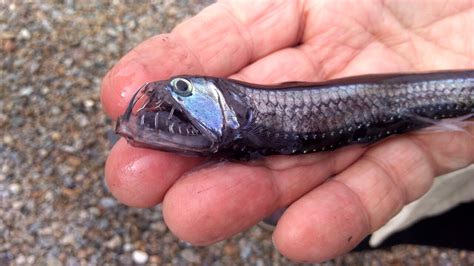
column 182, row 86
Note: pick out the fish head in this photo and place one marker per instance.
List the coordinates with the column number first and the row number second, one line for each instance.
column 185, row 114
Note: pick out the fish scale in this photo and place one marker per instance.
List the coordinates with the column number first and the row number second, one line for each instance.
column 369, row 104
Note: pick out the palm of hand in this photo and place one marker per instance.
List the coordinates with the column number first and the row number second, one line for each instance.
column 268, row 42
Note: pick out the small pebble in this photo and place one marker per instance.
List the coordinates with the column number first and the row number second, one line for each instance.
column 26, row 91
column 5, row 169
column 45, row 90
column 34, row 66
column 88, row 104
column 3, row 119
column 9, row 46
column 155, row 260
column 43, row 152
column 7, row 139
column 24, row 34
column 55, row 135
column 230, row 249
column 94, row 211
column 159, row 227
column 139, row 257
column 190, row 256
column 14, row 188
column 17, row 205
column 68, row 239
column 20, row 260
column 113, row 243
column 82, row 120
column 127, row 247
column 74, row 161
column 132, row 24
column 68, row 62
column 48, row 196
column 108, row 202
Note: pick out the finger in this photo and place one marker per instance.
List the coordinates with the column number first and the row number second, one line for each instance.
column 227, row 198
column 237, row 33
column 288, row 64
column 140, row 177
column 296, row 175
column 303, row 63
column 218, row 41
column 449, row 150
column 333, row 218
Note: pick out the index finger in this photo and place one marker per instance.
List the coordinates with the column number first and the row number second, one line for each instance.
column 219, row 41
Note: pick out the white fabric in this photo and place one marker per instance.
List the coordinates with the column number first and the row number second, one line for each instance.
column 447, row 192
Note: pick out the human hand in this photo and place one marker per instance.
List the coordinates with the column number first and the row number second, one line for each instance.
column 275, row 41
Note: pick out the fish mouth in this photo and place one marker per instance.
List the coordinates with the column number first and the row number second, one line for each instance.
column 163, row 126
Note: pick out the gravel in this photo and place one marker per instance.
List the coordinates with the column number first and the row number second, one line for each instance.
column 54, row 206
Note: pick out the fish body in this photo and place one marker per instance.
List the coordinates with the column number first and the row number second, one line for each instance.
column 205, row 116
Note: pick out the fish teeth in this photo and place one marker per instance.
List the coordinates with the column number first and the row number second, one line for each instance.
column 171, row 113
column 157, row 119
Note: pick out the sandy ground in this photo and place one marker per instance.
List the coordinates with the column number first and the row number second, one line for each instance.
column 54, row 207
